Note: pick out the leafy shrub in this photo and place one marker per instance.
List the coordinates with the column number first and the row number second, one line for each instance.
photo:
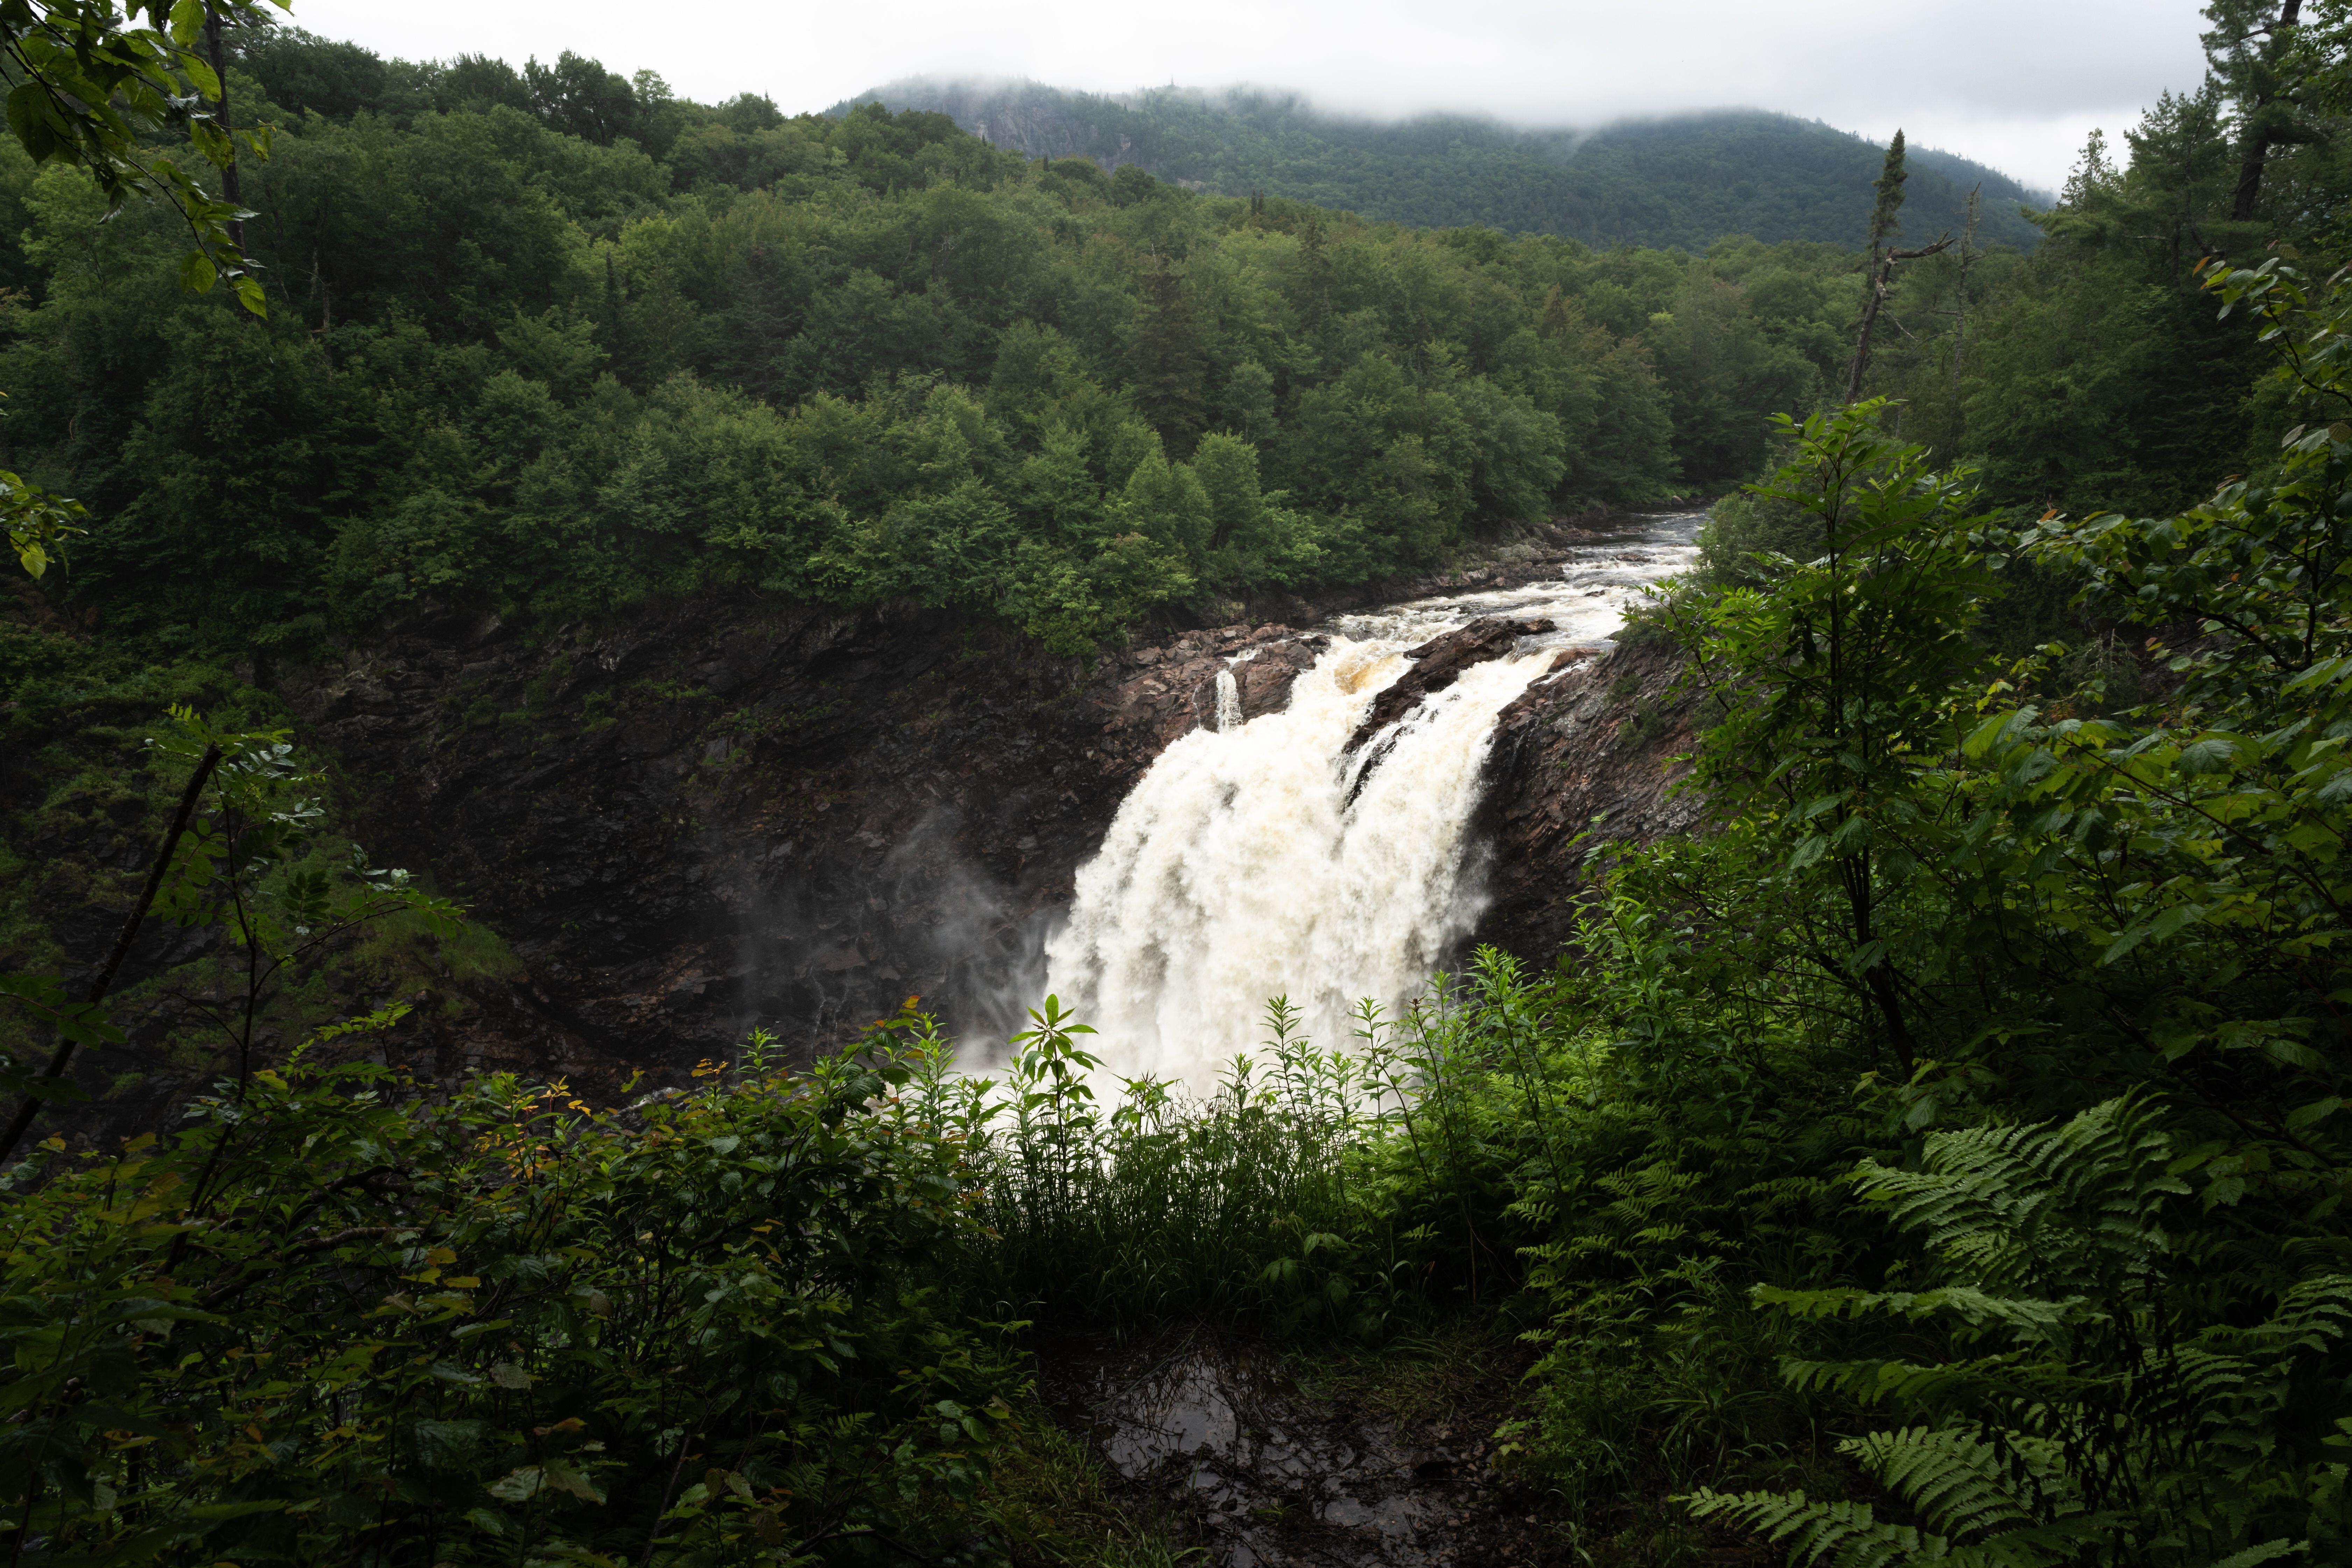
column 1746, row 535
column 331, row 1321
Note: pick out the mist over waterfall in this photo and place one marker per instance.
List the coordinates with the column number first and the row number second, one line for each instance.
column 1265, row 859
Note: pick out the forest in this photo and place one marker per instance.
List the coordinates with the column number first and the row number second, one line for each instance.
column 554, row 342
column 1935, row 1159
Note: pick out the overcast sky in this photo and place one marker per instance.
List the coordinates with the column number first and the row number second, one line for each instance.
column 2017, row 84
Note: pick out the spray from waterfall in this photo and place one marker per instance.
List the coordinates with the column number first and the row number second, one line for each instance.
column 1263, row 858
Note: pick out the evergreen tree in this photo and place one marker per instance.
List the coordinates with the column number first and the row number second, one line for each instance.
column 1168, row 358
column 2247, row 48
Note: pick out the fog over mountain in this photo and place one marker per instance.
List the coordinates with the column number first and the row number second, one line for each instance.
column 2015, row 85
column 1683, row 181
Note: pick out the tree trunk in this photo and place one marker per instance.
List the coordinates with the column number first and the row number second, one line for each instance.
column 1961, row 295
column 105, row 981
column 2259, row 137
column 1874, row 296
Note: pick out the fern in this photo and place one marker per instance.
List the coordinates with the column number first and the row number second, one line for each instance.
column 1845, row 1534
column 2115, row 1416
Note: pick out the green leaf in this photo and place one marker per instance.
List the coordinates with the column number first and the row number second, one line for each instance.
column 520, row 1485
column 446, row 1444
column 200, row 72
column 2268, row 1552
column 29, row 116
column 563, row 1477
column 2212, row 755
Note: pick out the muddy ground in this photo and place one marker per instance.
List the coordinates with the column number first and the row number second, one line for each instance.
column 1257, row 1459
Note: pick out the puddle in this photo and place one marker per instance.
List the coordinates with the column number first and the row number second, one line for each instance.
column 1267, row 1474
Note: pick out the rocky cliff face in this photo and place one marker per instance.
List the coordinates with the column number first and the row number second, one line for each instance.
column 730, row 813
column 1591, row 748
column 727, row 813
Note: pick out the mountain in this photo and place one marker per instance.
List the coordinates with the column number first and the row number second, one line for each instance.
column 1684, row 182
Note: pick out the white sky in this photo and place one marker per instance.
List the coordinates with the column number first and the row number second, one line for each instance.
column 2017, row 84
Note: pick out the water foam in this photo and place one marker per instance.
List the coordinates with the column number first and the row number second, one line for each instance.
column 1264, row 858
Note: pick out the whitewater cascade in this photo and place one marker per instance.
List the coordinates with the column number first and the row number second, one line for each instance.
column 1264, row 858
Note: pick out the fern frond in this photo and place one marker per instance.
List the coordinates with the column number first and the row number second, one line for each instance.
column 2268, row 1552
column 1962, row 1485
column 2076, row 1203
column 1847, row 1534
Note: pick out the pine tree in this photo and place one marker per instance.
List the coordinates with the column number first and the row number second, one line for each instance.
column 1168, row 353
column 2246, row 49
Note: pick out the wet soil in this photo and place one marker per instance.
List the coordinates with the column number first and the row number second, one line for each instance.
column 1262, row 1460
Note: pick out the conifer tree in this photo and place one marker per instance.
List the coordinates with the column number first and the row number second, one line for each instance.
column 2247, row 48
column 1168, row 351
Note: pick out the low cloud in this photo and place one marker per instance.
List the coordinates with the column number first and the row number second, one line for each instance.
column 2012, row 83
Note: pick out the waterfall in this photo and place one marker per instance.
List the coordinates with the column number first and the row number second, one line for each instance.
column 1261, row 858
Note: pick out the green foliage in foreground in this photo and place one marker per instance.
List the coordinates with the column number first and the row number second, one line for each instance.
column 2069, row 984
column 332, row 1321
column 2130, row 1394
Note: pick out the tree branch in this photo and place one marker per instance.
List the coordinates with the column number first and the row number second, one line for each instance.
column 105, row 981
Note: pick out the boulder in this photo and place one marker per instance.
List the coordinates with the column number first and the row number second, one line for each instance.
column 1438, row 664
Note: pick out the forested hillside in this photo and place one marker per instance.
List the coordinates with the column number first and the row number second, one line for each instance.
column 1681, row 183
column 552, row 341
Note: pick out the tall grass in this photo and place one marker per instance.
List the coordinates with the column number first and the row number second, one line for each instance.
column 1310, row 1185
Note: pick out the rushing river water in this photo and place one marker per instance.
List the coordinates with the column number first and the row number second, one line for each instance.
column 1263, row 858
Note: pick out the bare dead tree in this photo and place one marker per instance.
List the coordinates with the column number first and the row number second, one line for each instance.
column 1879, row 270
column 1969, row 254
column 1873, row 300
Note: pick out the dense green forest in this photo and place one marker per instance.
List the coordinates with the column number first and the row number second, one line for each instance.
column 552, row 340
column 1681, row 183
column 1938, row 1159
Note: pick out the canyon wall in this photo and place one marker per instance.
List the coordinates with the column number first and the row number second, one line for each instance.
column 731, row 812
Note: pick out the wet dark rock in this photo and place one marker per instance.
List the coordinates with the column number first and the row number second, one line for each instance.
column 708, row 815
column 1588, row 748
column 730, row 812
column 1257, row 1469
column 1438, row 664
